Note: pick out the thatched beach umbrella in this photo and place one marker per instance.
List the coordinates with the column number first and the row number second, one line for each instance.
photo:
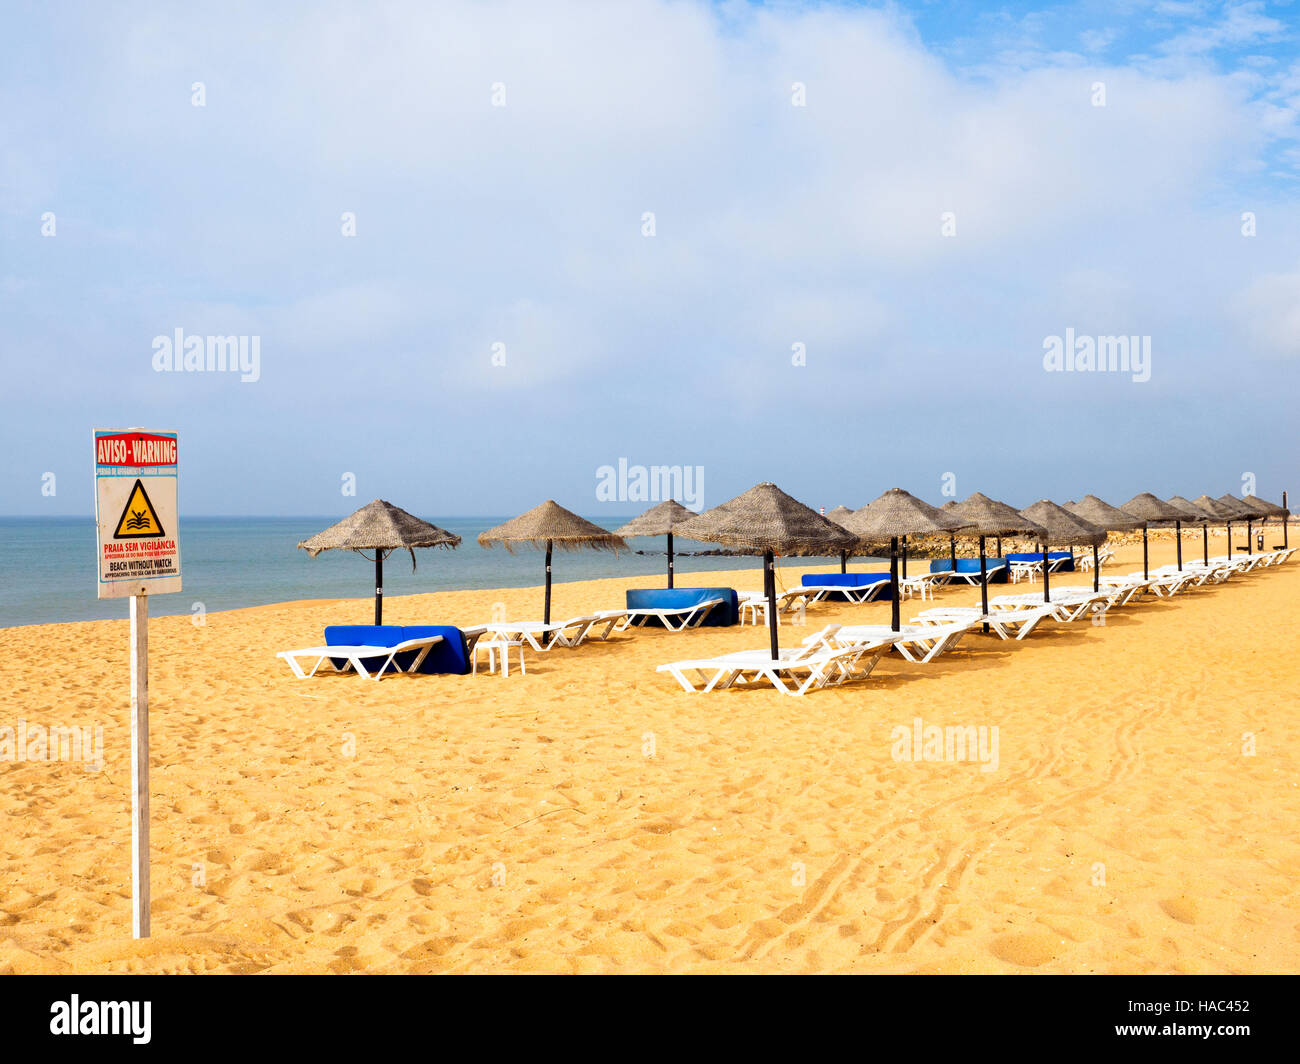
column 838, row 515
column 383, row 528
column 897, row 513
column 1219, row 515
column 1064, row 529
column 659, row 520
column 1103, row 515
column 1242, row 512
column 1150, row 511
column 985, row 517
column 1194, row 516
column 1269, row 509
column 765, row 520
column 550, row 525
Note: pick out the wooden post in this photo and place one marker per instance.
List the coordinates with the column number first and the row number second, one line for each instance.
column 844, row 561
column 140, row 766
column 984, row 586
column 670, row 559
column 894, row 607
column 546, row 613
column 769, row 585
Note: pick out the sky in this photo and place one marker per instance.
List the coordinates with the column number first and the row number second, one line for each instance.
column 484, row 249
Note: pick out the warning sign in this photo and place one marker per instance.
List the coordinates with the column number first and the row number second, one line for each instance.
column 135, row 513
column 139, row 520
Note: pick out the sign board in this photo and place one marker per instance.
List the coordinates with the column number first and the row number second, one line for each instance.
column 137, row 539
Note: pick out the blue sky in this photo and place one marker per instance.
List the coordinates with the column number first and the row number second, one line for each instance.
column 775, row 225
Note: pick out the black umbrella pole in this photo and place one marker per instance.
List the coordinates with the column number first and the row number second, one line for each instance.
column 1178, row 535
column 546, row 612
column 1205, row 543
column 903, row 544
column 1229, row 526
column 844, row 561
column 952, row 552
column 984, row 586
column 1286, row 520
column 1250, row 537
column 379, row 588
column 1047, row 576
column 670, row 559
column 769, row 585
column 1096, row 569
column 1146, row 573
column 894, row 605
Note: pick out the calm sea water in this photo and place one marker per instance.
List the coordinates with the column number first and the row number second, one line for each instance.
column 47, row 566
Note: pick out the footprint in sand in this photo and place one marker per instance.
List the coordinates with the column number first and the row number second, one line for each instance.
column 1027, row 949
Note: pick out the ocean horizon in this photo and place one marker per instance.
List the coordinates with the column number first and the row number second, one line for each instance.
column 235, row 562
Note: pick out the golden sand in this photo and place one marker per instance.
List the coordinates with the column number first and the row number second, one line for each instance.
column 521, row 825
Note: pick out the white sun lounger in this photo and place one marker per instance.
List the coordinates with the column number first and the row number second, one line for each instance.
column 1005, row 624
column 541, row 636
column 919, row 643
column 355, row 656
column 922, row 584
column 822, row 657
column 684, row 616
column 856, row 593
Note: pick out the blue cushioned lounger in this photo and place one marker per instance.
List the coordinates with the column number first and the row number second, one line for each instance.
column 449, row 656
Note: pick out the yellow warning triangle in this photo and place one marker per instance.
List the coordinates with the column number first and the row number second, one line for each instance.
column 139, row 519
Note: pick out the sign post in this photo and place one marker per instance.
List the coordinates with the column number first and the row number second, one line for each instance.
column 138, row 546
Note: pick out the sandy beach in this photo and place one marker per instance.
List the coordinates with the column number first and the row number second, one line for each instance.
column 592, row 817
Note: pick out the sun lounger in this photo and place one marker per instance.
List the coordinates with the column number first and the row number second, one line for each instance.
column 1005, row 624
column 541, row 636
column 675, row 618
column 354, row 657
column 754, row 603
column 923, row 584
column 919, row 643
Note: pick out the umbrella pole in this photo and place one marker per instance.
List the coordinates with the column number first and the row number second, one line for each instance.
column 952, row 551
column 1286, row 520
column 999, row 545
column 893, row 583
column 1096, row 569
column 670, row 559
column 769, row 586
column 1229, row 525
column 379, row 587
column 1205, row 543
column 984, row 586
column 904, row 546
column 1178, row 535
column 844, row 561
column 1146, row 573
column 1250, row 537
column 546, row 613
column 1047, row 578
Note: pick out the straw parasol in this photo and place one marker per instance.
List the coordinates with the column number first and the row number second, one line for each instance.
column 1150, row 511
column 988, row 517
column 1220, row 515
column 1103, row 515
column 898, row 513
column 1251, row 512
column 838, row 515
column 1194, row 514
column 550, row 525
column 1270, row 509
column 659, row 520
column 383, row 528
column 768, row 521
column 1062, row 528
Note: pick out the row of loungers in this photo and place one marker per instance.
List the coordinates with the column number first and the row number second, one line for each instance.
column 840, row 653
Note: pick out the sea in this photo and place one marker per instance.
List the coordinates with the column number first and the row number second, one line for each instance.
column 47, row 566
